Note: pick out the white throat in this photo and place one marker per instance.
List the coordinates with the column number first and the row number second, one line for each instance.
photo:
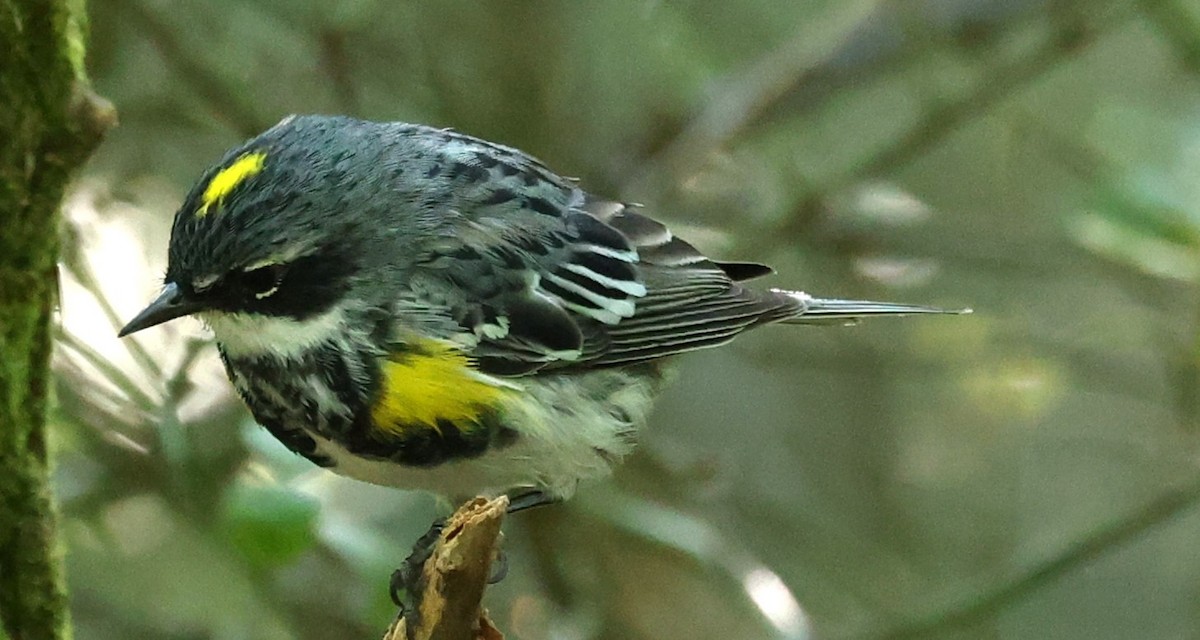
column 244, row 335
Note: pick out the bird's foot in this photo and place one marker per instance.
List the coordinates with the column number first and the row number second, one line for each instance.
column 406, row 579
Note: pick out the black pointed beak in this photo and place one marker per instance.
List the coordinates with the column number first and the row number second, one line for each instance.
column 170, row 304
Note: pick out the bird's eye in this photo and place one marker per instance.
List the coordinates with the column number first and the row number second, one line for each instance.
column 263, row 281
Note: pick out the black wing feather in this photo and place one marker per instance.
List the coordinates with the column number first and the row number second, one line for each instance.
column 544, row 276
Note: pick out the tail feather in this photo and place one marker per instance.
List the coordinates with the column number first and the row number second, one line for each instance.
column 834, row 311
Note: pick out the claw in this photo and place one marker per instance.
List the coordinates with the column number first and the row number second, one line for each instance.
column 407, row 577
column 500, row 568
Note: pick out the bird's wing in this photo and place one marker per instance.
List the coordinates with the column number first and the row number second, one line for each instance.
column 577, row 281
column 539, row 275
column 691, row 302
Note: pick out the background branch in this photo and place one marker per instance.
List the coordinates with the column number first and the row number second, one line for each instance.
column 1072, row 33
column 982, row 607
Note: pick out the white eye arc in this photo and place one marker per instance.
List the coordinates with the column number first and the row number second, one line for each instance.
column 263, row 280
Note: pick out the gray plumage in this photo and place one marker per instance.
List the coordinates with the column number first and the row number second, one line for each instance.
column 327, row 247
column 539, row 272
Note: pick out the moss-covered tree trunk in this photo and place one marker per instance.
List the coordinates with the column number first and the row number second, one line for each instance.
column 49, row 123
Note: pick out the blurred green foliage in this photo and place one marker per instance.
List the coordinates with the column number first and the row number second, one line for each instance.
column 271, row 526
column 1025, row 472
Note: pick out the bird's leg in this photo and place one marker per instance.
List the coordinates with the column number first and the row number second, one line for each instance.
column 528, row 499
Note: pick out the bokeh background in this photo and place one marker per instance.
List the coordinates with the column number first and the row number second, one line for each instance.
column 1026, row 472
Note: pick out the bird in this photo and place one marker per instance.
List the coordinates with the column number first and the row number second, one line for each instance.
column 417, row 308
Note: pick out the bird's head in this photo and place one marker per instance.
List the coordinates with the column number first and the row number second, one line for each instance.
column 267, row 245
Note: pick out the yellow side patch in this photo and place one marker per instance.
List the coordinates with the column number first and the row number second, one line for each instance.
column 434, row 382
column 229, row 178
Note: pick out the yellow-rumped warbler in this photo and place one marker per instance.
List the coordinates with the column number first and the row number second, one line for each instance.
column 418, row 308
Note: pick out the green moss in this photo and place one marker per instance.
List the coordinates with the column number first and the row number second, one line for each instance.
column 49, row 131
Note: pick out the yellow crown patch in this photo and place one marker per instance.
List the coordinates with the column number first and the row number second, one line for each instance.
column 229, row 178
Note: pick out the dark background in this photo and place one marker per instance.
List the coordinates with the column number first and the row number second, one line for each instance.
column 1025, row 472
